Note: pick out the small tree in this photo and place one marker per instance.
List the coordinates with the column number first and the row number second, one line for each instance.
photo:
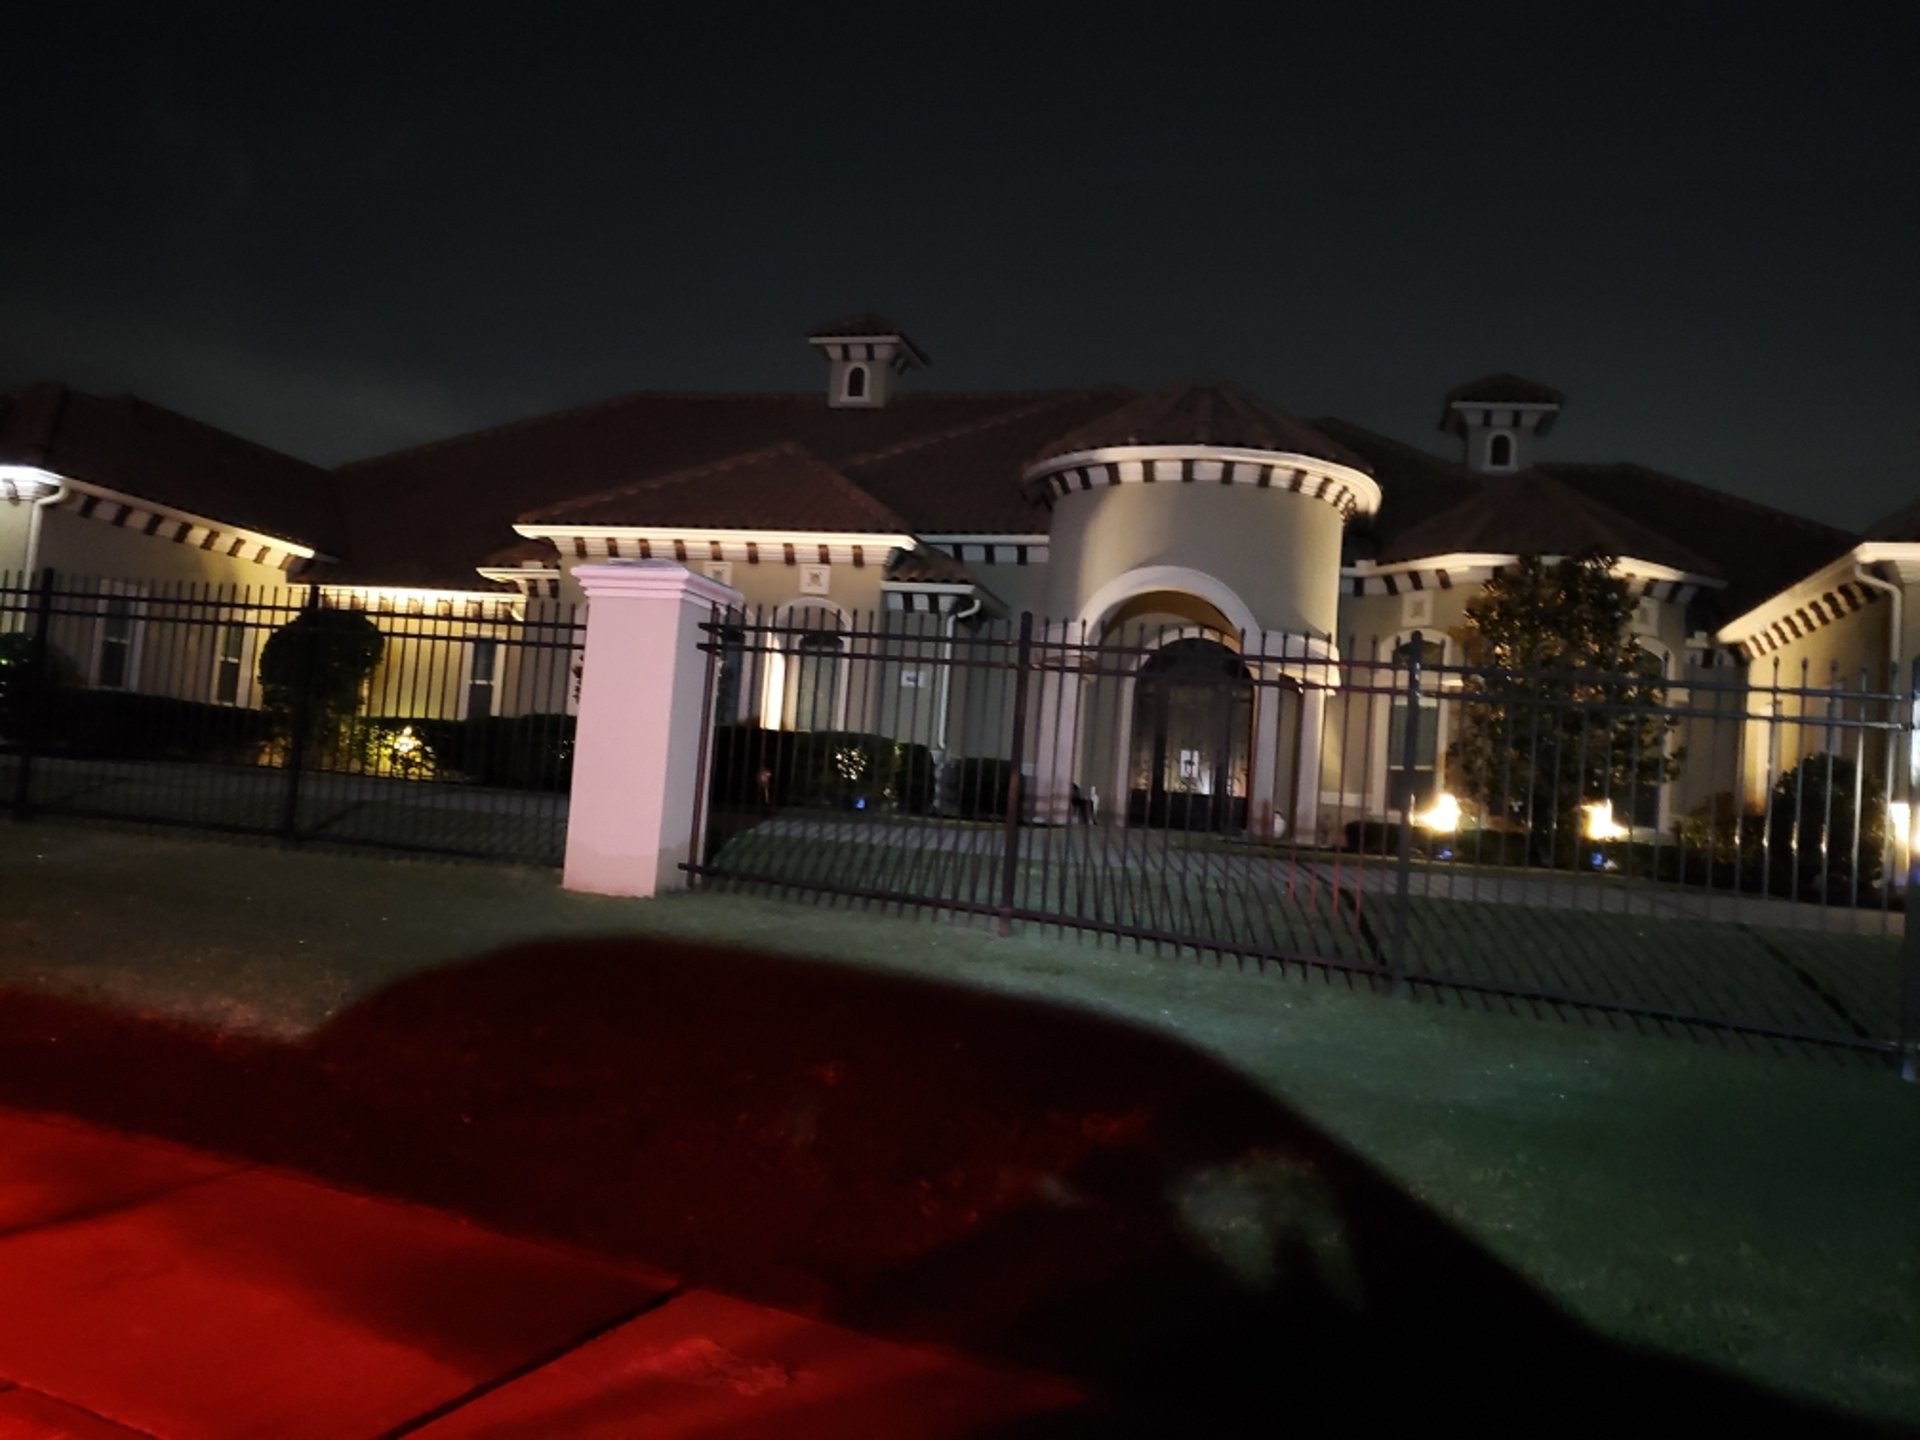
column 1816, row 847
column 313, row 670
column 1555, row 711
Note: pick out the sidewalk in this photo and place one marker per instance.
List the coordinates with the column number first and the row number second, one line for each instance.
column 152, row 1290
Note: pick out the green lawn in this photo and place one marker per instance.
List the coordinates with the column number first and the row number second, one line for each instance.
column 1592, row 942
column 1753, row 1210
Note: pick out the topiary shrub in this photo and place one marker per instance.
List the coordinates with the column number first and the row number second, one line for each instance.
column 1811, row 831
column 313, row 671
column 978, row 787
column 835, row 769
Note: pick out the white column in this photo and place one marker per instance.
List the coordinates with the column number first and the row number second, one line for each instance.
column 637, row 776
column 1306, row 791
column 1262, row 817
column 1053, row 724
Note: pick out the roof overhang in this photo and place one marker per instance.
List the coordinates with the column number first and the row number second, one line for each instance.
column 1624, row 565
column 905, row 356
column 1902, row 557
column 1225, row 464
column 1543, row 412
column 667, row 534
column 27, row 482
column 131, row 502
column 396, row 596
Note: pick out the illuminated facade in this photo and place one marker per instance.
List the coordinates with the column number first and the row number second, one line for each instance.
column 1197, row 514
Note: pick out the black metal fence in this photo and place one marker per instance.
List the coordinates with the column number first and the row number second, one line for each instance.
column 414, row 721
column 1670, row 846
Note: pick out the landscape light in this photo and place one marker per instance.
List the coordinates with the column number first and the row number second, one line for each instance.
column 1600, row 822
column 1442, row 816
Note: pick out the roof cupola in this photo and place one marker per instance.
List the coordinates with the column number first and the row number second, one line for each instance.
column 1497, row 419
column 866, row 353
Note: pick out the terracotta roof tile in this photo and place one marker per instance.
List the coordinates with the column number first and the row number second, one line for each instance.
column 1413, row 483
column 1504, row 389
column 779, row 488
column 865, row 323
column 1190, row 413
column 1759, row 549
column 1532, row 513
column 1901, row 525
column 125, row 444
column 942, row 461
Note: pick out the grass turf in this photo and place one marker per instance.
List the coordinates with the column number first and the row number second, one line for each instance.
column 1574, row 939
column 878, row 1117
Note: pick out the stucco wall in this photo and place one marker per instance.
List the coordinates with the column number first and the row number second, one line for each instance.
column 1355, row 762
column 1277, row 550
column 1837, row 655
column 81, row 547
column 15, row 518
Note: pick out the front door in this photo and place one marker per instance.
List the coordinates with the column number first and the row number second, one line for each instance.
column 1192, row 728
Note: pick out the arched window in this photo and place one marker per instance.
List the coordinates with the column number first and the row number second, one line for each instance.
column 816, row 680
column 856, row 382
column 1420, row 782
column 1500, row 452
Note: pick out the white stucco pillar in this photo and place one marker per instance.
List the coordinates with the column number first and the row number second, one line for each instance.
column 1053, row 723
column 1306, row 790
column 1264, row 819
column 637, row 776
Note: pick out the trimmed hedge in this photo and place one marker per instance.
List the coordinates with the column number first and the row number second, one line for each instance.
column 979, row 787
column 127, row 725
column 838, row 769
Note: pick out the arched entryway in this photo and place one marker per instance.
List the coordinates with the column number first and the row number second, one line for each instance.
column 1192, row 738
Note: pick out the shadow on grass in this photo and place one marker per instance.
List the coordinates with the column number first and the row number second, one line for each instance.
column 1027, row 1183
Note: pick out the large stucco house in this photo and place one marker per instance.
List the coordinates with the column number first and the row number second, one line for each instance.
column 1197, row 515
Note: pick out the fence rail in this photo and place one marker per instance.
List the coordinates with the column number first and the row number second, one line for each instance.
column 1674, row 846
column 433, row 724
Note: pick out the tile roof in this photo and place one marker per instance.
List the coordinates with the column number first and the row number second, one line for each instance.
column 1413, row 483
column 779, row 488
column 966, row 480
column 123, row 443
column 944, row 462
column 865, row 323
column 1499, row 389
column 1759, row 549
column 868, row 324
column 1532, row 513
column 1190, row 413
column 1902, row 524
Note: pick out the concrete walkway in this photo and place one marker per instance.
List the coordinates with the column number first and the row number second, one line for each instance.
column 151, row 1290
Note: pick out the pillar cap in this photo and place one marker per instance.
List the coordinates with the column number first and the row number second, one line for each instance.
column 653, row 580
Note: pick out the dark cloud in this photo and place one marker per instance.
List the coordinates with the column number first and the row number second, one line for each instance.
column 344, row 228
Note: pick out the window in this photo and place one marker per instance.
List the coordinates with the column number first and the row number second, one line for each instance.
column 229, row 664
column 856, row 382
column 1419, row 783
column 1500, row 452
column 116, row 652
column 816, row 680
column 480, row 677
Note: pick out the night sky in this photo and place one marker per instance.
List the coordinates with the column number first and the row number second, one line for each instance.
column 370, row 227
